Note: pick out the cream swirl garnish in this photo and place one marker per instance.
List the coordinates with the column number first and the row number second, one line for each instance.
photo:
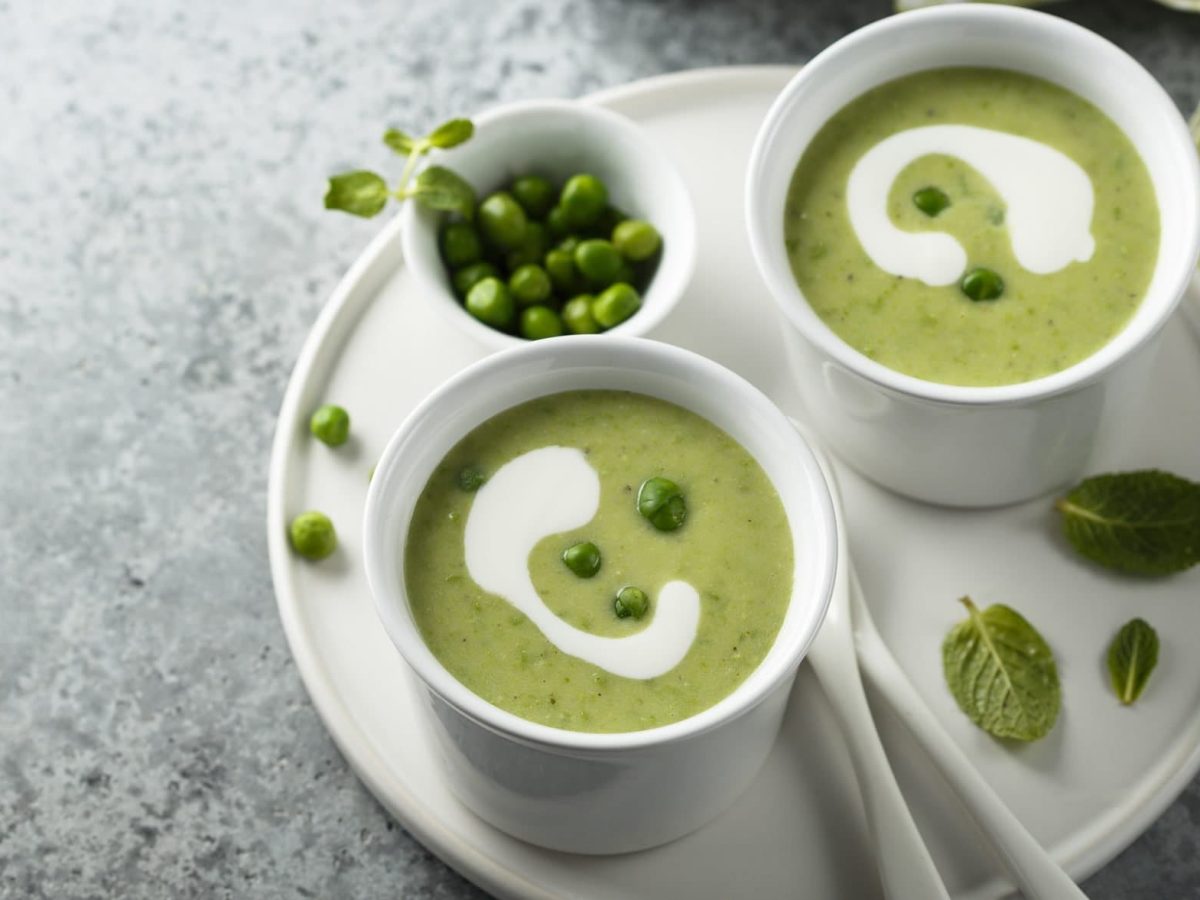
column 545, row 492
column 1049, row 201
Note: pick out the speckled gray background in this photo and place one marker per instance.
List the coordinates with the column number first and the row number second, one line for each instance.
column 163, row 254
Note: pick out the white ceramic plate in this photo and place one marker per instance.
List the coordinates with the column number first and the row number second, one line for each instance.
column 1086, row 791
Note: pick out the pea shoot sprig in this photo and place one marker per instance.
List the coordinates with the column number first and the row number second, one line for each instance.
column 365, row 193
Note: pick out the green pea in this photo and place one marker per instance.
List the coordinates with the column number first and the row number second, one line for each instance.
column 532, row 249
column 582, row 559
column 583, row 199
column 312, row 535
column 539, row 322
column 569, row 244
column 502, row 220
column 535, row 194
column 636, row 240
column 577, row 315
column 599, row 261
column 469, row 276
column 530, row 285
column 560, row 266
column 460, row 244
column 491, row 303
column 982, row 284
column 631, row 601
column 615, row 305
column 661, row 503
column 470, row 479
column 556, row 222
column 930, row 200
column 330, row 425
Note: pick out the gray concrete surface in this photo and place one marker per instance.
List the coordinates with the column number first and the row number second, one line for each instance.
column 163, row 254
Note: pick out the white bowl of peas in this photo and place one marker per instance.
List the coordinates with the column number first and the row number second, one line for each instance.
column 582, row 225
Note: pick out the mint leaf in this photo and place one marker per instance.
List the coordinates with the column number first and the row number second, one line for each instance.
column 402, row 143
column 1146, row 522
column 1002, row 673
column 359, row 193
column 451, row 134
column 439, row 188
column 1132, row 656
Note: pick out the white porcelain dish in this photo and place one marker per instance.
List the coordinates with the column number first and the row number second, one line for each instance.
column 1085, row 792
column 558, row 139
column 974, row 446
column 576, row 791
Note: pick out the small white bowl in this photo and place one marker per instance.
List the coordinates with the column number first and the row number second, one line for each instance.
column 557, row 139
column 973, row 446
column 577, row 791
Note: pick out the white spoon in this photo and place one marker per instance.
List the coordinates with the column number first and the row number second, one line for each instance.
column 1037, row 875
column 904, row 862
column 905, row 866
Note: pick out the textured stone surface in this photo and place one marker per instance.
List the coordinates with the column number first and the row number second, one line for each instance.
column 164, row 253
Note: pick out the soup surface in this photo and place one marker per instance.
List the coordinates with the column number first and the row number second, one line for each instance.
column 732, row 556
column 1035, row 185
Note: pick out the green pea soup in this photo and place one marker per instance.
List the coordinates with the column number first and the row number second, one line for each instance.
column 734, row 548
column 1039, row 323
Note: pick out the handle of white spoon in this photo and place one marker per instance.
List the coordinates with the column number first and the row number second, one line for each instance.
column 1035, row 873
column 905, row 866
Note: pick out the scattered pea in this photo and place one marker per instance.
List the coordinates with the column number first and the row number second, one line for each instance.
column 582, row 559
column 636, row 240
column 539, row 322
column 330, row 425
column 982, row 284
column 491, row 303
column 470, row 479
column 535, row 194
column 530, row 285
column 460, row 244
column 661, row 503
column 312, row 535
column 615, row 305
column 469, row 276
column 583, row 200
column 631, row 601
column 502, row 220
column 577, row 315
column 930, row 200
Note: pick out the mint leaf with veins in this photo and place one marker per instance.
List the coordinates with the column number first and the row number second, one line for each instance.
column 1145, row 522
column 1002, row 673
column 1132, row 657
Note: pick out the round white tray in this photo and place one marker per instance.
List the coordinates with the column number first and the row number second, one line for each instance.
column 1086, row 791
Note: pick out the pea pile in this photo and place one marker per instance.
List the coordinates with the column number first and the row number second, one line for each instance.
column 538, row 263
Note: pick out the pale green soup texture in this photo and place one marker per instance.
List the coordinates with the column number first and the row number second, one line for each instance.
column 1043, row 323
column 735, row 548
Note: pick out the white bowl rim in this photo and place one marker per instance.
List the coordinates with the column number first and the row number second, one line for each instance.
column 781, row 660
column 785, row 292
column 681, row 243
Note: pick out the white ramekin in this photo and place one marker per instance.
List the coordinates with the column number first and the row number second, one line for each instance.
column 576, row 791
column 558, row 139
column 973, row 446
